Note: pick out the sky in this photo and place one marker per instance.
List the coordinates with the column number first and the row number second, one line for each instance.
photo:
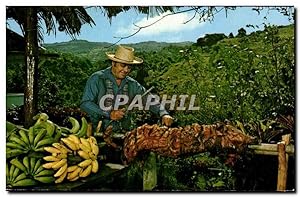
column 169, row 29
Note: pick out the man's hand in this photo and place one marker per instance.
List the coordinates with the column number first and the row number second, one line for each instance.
column 117, row 114
column 167, row 120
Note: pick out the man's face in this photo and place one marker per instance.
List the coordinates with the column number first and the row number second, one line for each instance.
column 120, row 70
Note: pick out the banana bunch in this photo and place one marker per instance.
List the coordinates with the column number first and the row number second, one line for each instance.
column 26, row 140
column 70, row 146
column 30, row 172
column 76, row 129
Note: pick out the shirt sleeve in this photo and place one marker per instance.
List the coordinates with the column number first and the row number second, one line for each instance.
column 93, row 90
column 155, row 108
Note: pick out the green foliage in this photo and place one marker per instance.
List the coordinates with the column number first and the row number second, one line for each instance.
column 210, row 39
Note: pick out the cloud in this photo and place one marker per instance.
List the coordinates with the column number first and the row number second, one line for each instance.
column 169, row 24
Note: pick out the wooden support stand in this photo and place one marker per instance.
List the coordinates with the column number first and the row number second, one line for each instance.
column 283, row 149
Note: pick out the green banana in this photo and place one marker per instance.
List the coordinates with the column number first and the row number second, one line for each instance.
column 11, row 171
column 32, row 164
column 45, row 172
column 18, row 164
column 18, row 141
column 14, row 152
column 20, row 177
column 44, row 142
column 50, row 127
column 7, row 172
column 15, row 174
column 65, row 131
column 25, row 182
column 37, row 165
column 31, row 135
column 26, row 164
column 45, row 179
column 24, row 136
column 14, row 146
column 39, row 169
column 83, row 129
column 58, row 133
column 39, row 136
column 75, row 125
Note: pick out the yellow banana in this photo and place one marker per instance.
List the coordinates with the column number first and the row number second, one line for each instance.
column 95, row 166
column 72, row 168
column 51, row 158
column 59, row 164
column 92, row 140
column 83, row 154
column 84, row 148
column 94, row 145
column 74, row 138
column 61, row 147
column 75, row 178
column 86, row 143
column 69, row 143
column 51, row 149
column 89, row 130
column 74, row 174
column 92, row 156
column 49, row 165
column 61, row 177
column 87, row 171
column 61, row 156
column 85, row 163
column 75, row 124
column 61, row 170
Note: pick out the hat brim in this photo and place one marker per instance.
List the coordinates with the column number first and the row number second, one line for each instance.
column 136, row 60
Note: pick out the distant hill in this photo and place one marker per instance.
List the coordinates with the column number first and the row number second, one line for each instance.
column 83, row 46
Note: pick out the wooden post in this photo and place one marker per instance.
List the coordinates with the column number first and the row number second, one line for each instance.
column 150, row 172
column 282, row 163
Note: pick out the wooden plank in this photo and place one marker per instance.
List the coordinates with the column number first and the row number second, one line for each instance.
column 282, row 167
column 271, row 149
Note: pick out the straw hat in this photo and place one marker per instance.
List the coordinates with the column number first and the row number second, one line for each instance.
column 125, row 55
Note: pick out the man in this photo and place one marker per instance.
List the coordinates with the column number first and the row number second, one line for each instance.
column 115, row 81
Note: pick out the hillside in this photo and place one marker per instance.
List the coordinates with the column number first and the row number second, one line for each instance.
column 84, row 47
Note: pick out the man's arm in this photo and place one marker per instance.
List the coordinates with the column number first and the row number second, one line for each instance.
column 154, row 107
column 94, row 88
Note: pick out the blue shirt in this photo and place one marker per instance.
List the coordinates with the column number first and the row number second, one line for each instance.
column 95, row 89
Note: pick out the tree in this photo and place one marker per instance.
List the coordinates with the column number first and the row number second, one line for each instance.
column 241, row 33
column 230, row 35
column 70, row 20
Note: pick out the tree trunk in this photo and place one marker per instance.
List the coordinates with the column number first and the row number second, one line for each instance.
column 31, row 62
